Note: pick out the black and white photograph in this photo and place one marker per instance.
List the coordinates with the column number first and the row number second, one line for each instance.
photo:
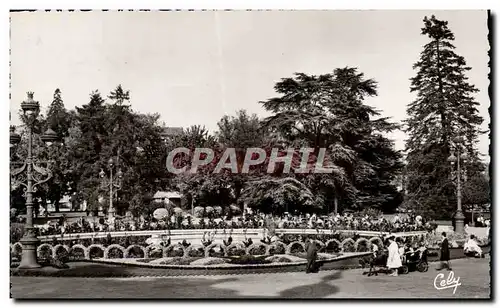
column 250, row 154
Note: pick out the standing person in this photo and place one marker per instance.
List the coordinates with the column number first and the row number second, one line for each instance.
column 445, row 253
column 312, row 255
column 393, row 259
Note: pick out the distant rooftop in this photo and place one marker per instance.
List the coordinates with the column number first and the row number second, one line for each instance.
column 172, row 131
column 166, row 195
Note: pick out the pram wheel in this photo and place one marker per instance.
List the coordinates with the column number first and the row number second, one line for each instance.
column 404, row 269
column 422, row 267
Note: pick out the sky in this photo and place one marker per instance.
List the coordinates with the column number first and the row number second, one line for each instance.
column 195, row 67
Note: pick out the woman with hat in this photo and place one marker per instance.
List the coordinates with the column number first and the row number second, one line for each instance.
column 393, row 259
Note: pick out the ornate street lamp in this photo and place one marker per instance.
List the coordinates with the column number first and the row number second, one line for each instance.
column 30, row 174
column 459, row 216
column 112, row 184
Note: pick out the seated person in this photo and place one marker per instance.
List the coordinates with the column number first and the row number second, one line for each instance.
column 471, row 247
column 410, row 253
column 402, row 252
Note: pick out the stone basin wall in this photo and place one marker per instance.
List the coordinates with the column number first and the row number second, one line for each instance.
column 215, row 249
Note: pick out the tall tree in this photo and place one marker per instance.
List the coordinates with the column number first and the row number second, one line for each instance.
column 133, row 140
column 241, row 132
column 328, row 111
column 59, row 120
column 445, row 108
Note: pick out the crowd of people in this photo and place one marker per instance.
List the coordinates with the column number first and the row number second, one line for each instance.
column 249, row 220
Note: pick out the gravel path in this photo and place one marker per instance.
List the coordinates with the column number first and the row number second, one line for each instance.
column 474, row 278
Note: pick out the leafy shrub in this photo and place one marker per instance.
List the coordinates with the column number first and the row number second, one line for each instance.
column 96, row 252
column 77, row 253
column 16, row 232
column 85, row 242
column 349, row 247
column 135, row 252
column 216, row 252
column 363, row 246
column 155, row 252
column 61, row 254
column 332, row 247
column 235, row 251
column 198, row 252
column 58, row 263
column 45, row 253
column 277, row 249
column 296, row 248
column 115, row 253
column 175, row 252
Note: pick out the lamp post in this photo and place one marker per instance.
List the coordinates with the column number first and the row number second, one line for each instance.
column 459, row 216
column 30, row 174
column 112, row 184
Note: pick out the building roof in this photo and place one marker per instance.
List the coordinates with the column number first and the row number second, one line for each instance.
column 167, row 195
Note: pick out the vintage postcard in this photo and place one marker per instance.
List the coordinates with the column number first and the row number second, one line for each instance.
column 244, row 154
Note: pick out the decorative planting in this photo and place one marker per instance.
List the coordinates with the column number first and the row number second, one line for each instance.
column 377, row 241
column 295, row 247
column 95, row 251
column 44, row 251
column 175, row 250
column 348, row 245
column 78, row 252
column 333, row 246
column 135, row 251
column 257, row 249
column 362, row 245
column 276, row 248
column 195, row 251
column 215, row 250
column 235, row 249
column 154, row 251
column 60, row 251
column 114, row 251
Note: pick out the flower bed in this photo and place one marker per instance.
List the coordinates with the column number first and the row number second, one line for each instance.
column 249, row 259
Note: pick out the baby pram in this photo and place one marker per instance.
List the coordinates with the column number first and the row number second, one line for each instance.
column 417, row 260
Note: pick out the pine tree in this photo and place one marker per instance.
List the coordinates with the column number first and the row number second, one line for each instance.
column 58, row 118
column 119, row 96
column 444, row 109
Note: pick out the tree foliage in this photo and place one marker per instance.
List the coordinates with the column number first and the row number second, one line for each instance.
column 113, row 131
column 444, row 108
column 328, row 111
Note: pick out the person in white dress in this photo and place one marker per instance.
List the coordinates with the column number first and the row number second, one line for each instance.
column 472, row 246
column 393, row 259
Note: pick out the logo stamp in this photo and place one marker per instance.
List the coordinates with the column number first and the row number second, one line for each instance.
column 440, row 283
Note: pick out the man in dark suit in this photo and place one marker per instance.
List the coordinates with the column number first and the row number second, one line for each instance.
column 445, row 253
column 312, row 255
